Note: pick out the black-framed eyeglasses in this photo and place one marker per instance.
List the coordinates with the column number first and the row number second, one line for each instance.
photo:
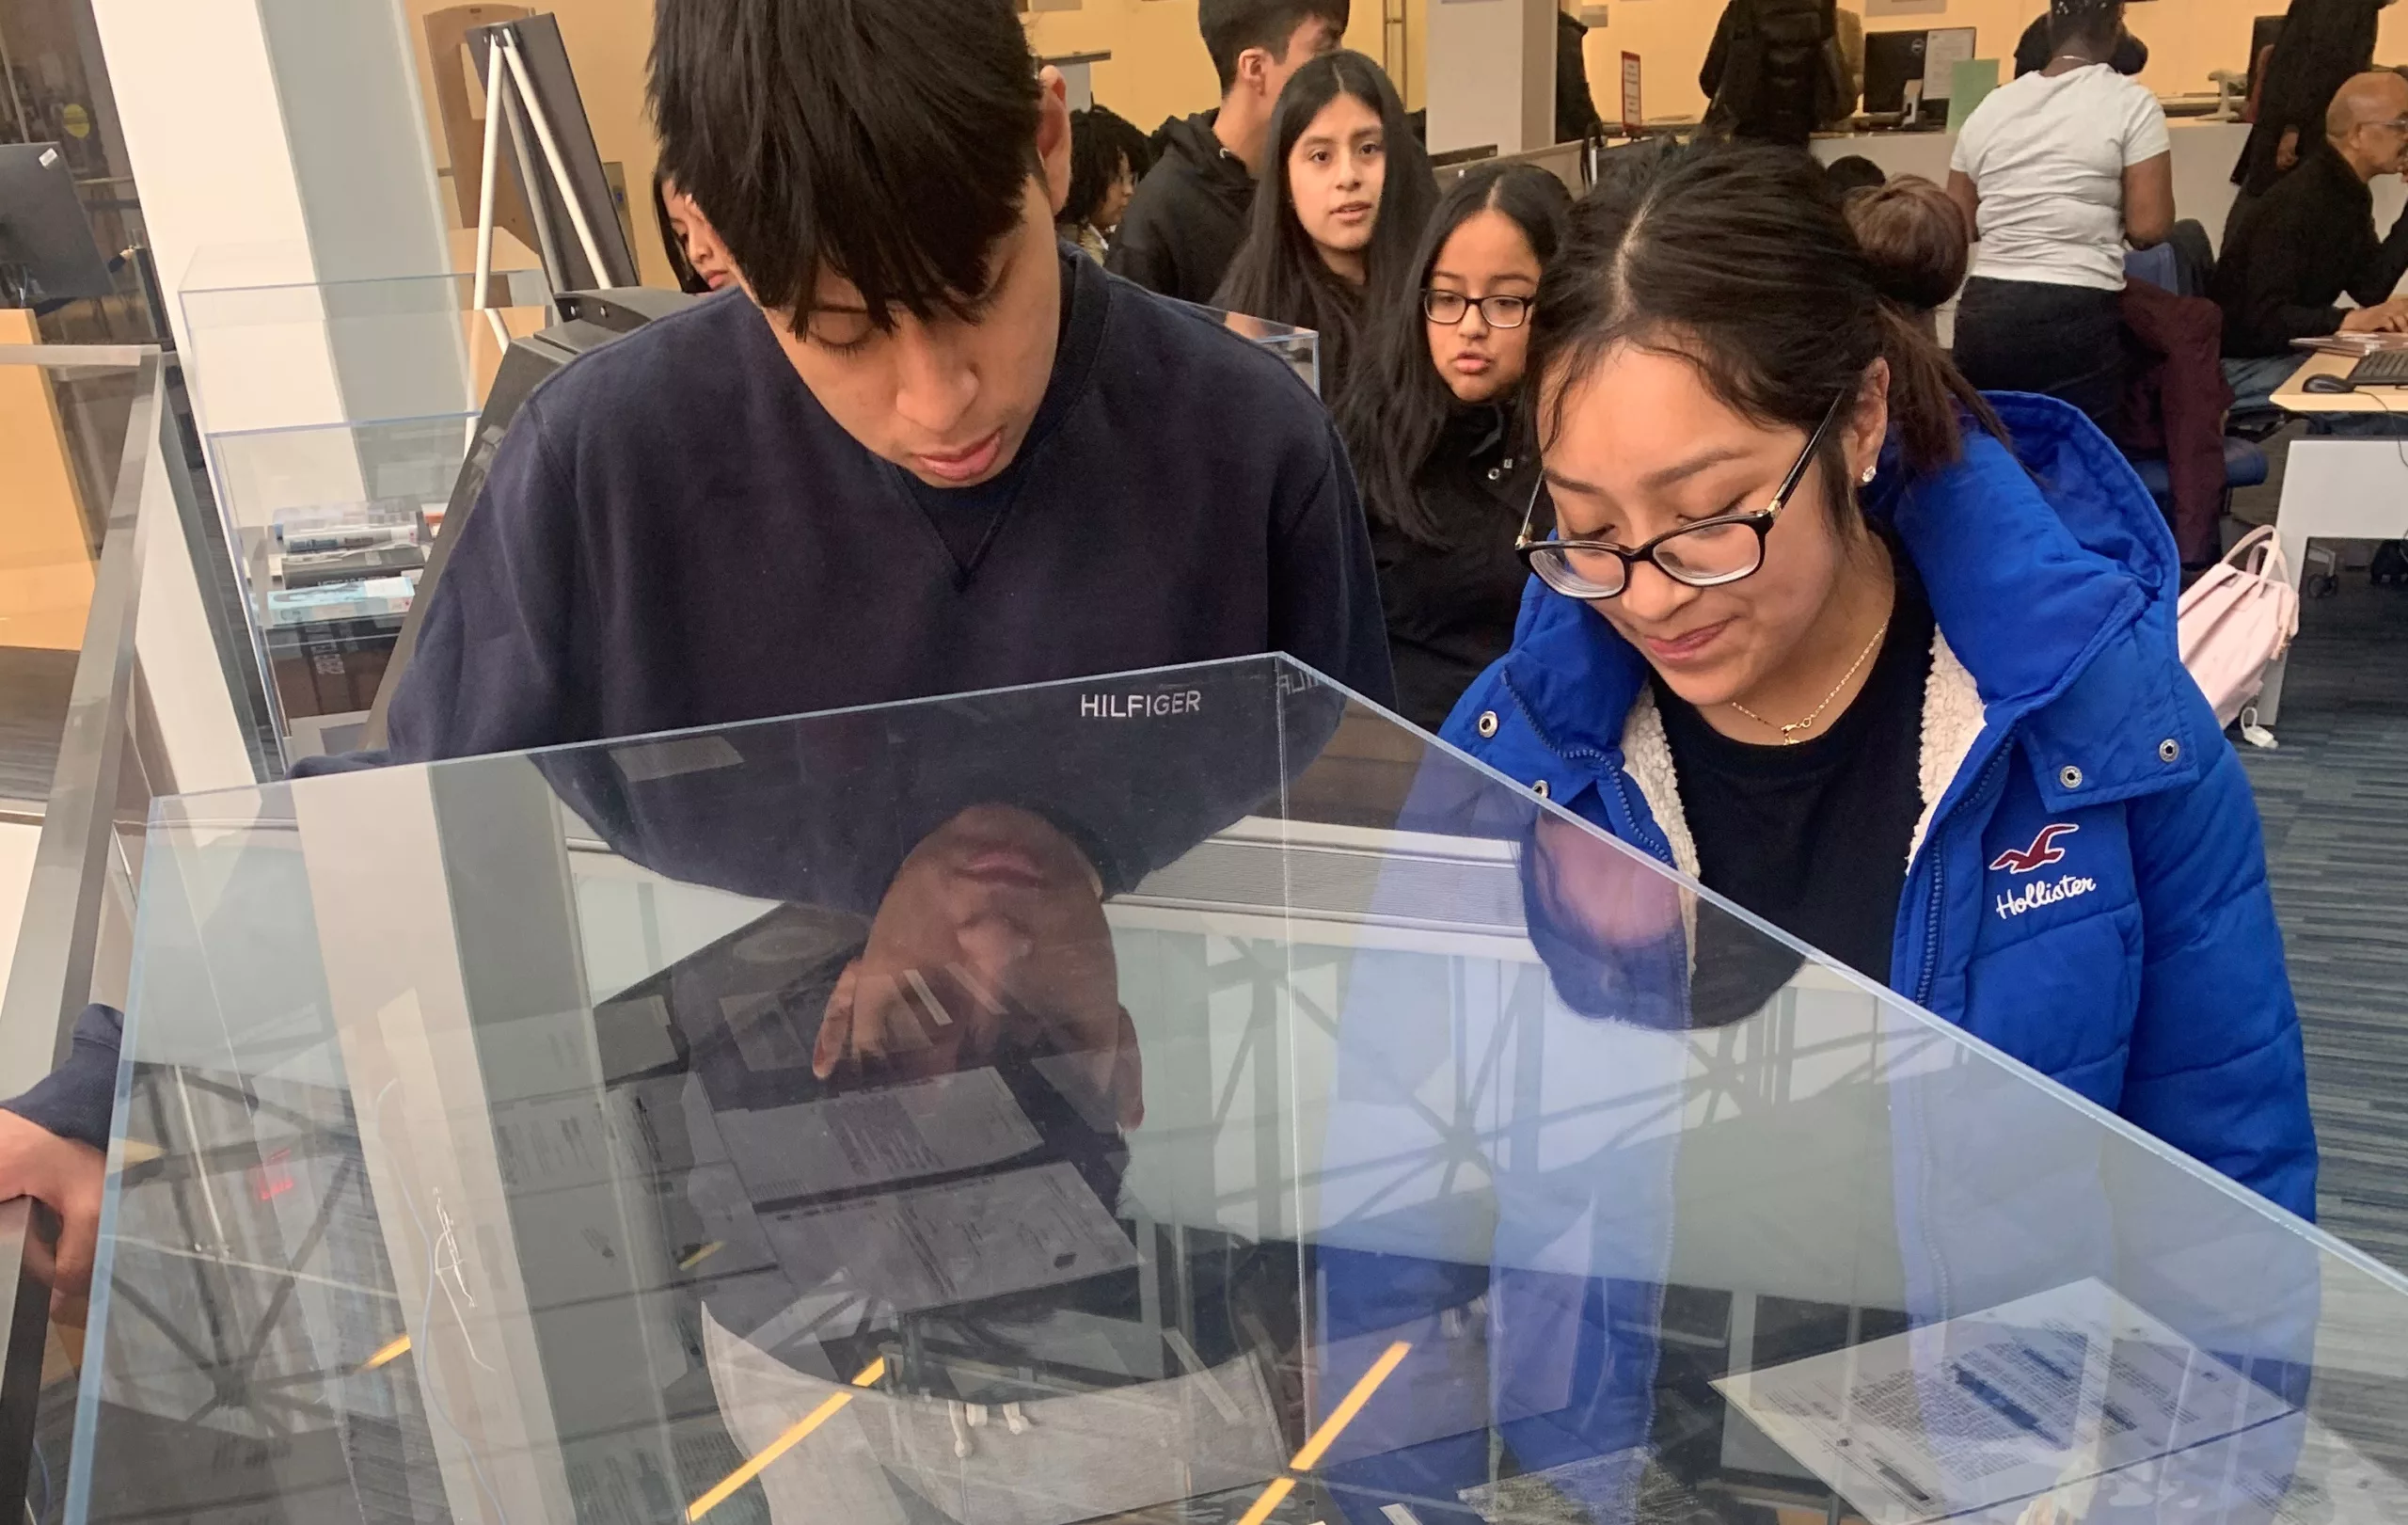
column 1447, row 308
column 1706, row 554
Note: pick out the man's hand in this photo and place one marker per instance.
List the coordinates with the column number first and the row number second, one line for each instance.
column 2287, row 151
column 64, row 1176
column 2387, row 317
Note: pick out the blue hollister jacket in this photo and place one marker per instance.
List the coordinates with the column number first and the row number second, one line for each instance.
column 2087, row 892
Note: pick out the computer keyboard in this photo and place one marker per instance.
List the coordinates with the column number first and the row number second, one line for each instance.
column 2384, row 368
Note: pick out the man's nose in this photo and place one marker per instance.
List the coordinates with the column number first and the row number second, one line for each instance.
column 934, row 380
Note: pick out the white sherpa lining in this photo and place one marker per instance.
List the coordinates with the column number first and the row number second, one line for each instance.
column 1647, row 757
column 1952, row 723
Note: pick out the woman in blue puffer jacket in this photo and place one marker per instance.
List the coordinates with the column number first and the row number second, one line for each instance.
column 1891, row 664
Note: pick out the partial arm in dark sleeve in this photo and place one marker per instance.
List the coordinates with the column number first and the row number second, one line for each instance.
column 1140, row 252
column 491, row 671
column 1325, row 593
column 2271, row 305
column 74, row 1100
column 1717, row 54
column 2385, row 263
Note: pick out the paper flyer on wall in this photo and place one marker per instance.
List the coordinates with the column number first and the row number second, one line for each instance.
column 2076, row 1388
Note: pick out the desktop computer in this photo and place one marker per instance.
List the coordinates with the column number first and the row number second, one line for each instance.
column 46, row 249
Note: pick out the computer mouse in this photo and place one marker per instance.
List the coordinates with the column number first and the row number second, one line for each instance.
column 2327, row 382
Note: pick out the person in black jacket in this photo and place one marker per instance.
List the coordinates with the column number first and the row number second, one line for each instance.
column 2289, row 255
column 2323, row 42
column 1447, row 459
column 1575, row 108
column 1188, row 218
column 1772, row 74
column 1344, row 195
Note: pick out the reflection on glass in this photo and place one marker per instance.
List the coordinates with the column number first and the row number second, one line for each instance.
column 1185, row 1097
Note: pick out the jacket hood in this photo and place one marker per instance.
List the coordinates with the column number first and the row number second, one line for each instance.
column 1190, row 138
column 2037, row 558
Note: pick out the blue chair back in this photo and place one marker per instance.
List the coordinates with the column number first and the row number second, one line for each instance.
column 2157, row 267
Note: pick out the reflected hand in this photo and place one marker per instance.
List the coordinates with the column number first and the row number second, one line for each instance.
column 65, row 1176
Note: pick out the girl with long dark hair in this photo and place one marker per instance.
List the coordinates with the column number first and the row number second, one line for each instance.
column 1434, row 427
column 1819, row 634
column 1344, row 193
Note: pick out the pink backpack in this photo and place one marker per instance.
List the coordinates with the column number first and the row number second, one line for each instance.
column 2236, row 622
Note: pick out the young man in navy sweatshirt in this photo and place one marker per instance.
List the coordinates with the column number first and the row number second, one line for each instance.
column 926, row 449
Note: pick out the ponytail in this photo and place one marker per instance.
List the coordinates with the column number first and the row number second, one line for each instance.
column 1930, row 400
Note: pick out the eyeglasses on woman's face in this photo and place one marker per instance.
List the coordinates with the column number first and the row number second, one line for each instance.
column 1447, row 308
column 1706, row 554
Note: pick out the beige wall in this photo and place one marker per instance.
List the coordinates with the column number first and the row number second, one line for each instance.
column 1158, row 66
column 2187, row 39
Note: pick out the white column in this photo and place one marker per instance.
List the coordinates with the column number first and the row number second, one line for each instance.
column 1492, row 74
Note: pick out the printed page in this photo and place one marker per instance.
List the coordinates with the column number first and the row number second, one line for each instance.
column 951, row 1122
column 1979, row 1413
column 958, row 1242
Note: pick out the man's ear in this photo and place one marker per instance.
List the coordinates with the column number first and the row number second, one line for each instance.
column 1053, row 135
column 1254, row 67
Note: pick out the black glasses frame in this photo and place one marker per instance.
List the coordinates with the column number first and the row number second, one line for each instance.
column 1540, row 555
column 1430, row 295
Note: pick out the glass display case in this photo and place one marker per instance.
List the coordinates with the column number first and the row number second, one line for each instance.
column 346, row 407
column 1186, row 1096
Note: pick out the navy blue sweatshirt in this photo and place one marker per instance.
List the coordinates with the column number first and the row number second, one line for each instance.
column 676, row 534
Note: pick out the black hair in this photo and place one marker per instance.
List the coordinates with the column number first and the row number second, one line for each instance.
column 1231, row 26
column 1393, row 415
column 829, row 133
column 2098, row 23
column 1099, row 147
column 681, row 264
column 1855, row 172
column 1277, row 273
column 1731, row 259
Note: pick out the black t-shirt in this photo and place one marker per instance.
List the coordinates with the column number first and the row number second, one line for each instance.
column 1813, row 837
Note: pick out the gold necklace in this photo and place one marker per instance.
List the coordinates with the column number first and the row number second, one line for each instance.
column 1791, row 735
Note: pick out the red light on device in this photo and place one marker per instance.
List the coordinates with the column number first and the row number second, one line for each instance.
column 272, row 1176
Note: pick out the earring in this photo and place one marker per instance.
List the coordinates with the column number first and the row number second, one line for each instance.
column 1870, row 472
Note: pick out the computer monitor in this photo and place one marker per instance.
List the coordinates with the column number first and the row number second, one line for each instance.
column 46, row 248
column 1892, row 62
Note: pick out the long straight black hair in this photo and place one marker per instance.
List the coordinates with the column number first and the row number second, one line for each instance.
column 1398, row 407
column 1741, row 261
column 1277, row 273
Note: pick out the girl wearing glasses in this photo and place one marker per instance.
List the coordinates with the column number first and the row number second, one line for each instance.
column 1434, row 426
column 1344, row 193
column 1815, row 632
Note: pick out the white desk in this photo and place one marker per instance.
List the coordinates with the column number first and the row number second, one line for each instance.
column 2335, row 489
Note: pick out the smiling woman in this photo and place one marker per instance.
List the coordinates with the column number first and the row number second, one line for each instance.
column 1333, row 229
column 1818, row 637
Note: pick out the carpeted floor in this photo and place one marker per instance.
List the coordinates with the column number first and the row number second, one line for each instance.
column 2334, row 797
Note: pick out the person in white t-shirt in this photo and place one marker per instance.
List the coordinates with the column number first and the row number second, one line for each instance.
column 2057, row 173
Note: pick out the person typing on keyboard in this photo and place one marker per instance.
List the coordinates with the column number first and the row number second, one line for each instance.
column 2290, row 256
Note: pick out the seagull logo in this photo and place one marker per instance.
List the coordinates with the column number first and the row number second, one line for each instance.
column 2042, row 853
